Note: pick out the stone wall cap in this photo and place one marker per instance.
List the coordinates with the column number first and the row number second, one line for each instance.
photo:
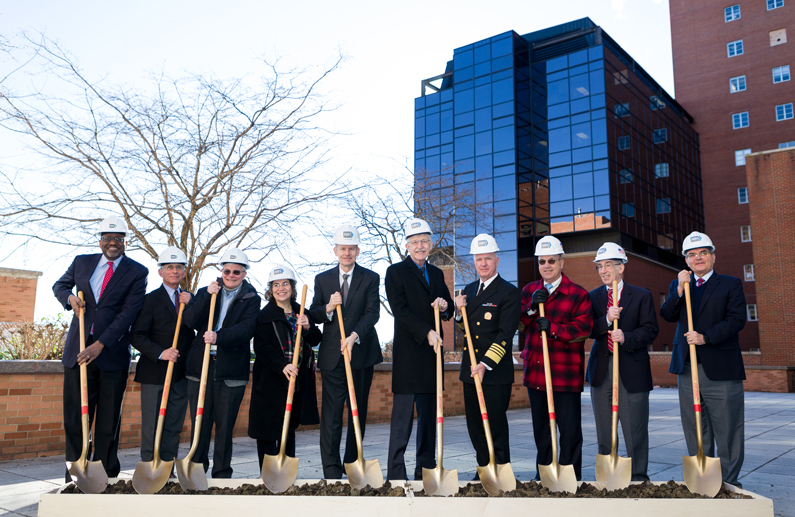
column 19, row 273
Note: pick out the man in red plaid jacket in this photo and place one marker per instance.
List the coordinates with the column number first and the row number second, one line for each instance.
column 568, row 324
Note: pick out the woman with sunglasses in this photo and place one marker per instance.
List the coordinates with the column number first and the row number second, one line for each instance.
column 274, row 346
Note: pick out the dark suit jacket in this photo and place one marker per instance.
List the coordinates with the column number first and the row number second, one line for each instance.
column 413, row 360
column 720, row 316
column 359, row 315
column 638, row 321
column 111, row 317
column 493, row 319
column 233, row 361
column 153, row 332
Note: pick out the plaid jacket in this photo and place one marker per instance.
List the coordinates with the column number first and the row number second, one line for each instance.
column 569, row 312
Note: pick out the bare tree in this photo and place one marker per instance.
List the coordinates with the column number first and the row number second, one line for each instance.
column 197, row 162
column 383, row 208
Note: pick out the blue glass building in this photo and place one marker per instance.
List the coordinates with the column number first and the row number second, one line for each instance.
column 559, row 131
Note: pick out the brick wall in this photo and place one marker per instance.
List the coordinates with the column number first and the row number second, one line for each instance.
column 19, row 294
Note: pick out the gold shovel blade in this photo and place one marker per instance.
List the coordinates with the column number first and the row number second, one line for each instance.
column 702, row 475
column 191, row 475
column 558, row 478
column 279, row 472
column 90, row 476
column 613, row 472
column 150, row 476
column 364, row 472
column 497, row 478
column 439, row 481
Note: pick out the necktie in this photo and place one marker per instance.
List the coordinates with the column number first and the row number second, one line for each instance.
column 548, row 287
column 425, row 276
column 108, row 274
column 699, row 282
column 176, row 299
column 480, row 289
column 345, row 289
column 609, row 304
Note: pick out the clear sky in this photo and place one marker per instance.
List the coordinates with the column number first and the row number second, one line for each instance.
column 390, row 48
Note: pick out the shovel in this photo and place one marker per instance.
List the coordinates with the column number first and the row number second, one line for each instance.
column 280, row 472
column 493, row 477
column 361, row 472
column 438, row 481
column 150, row 476
column 702, row 474
column 554, row 477
column 613, row 472
column 191, row 475
column 89, row 476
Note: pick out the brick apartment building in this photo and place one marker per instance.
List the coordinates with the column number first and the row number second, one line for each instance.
column 732, row 73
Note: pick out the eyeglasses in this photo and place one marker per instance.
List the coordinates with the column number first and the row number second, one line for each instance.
column 174, row 267
column 232, row 272
column 416, row 242
column 702, row 254
column 551, row 262
column 275, row 285
column 600, row 267
column 117, row 240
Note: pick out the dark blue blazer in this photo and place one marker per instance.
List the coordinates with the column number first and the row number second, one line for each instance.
column 638, row 321
column 720, row 317
column 111, row 317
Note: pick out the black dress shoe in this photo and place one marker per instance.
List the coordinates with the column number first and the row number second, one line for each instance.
column 477, row 477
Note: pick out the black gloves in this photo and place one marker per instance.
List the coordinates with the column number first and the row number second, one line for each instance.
column 539, row 296
column 543, row 324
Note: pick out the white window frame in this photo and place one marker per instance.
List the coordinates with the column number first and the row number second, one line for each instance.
column 737, row 84
column 731, row 13
column 627, row 140
column 748, row 273
column 664, row 202
column 742, row 195
column 661, row 170
column 774, row 4
column 784, row 112
column 745, row 233
column 751, row 313
column 621, row 109
column 735, row 48
column 739, row 156
column 737, row 120
column 781, row 71
column 660, row 136
column 784, row 145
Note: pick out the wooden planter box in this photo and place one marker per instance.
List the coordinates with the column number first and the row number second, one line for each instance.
column 54, row 504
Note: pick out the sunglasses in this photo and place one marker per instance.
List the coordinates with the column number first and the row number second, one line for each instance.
column 117, row 240
column 234, row 272
column 551, row 262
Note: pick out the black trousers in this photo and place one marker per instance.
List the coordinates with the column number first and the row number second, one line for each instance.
column 221, row 404
column 497, row 398
column 335, row 396
column 105, row 397
column 568, row 418
column 400, row 431
column 271, row 447
column 151, row 396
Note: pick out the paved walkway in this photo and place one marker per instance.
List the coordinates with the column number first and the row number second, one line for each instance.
column 769, row 467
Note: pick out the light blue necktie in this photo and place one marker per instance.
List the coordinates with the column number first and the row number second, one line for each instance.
column 549, row 288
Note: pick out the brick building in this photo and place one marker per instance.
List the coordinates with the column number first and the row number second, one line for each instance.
column 18, row 300
column 732, row 73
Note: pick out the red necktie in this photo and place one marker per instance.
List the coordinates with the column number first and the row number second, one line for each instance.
column 108, row 274
column 699, row 282
column 609, row 304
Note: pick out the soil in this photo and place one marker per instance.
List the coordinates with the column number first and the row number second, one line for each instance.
column 669, row 490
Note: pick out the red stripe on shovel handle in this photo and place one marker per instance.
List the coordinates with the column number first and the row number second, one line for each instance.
column 355, row 412
column 552, row 415
column 439, row 419
column 484, row 416
column 200, row 411
column 615, row 408
column 697, row 408
column 288, row 407
column 84, row 410
column 162, row 411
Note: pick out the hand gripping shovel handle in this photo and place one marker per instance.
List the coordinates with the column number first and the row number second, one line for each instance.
column 83, row 383
column 167, row 386
column 351, row 391
column 288, row 407
column 614, row 430
column 481, row 401
column 694, row 371
column 550, row 396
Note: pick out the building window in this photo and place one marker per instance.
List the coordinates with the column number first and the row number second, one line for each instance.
column 665, row 242
column 621, row 77
column 664, row 205
column 739, row 156
column 625, row 176
column 742, row 195
column 732, row 13
column 745, row 233
column 628, row 209
column 660, row 170
column 622, row 109
column 737, row 84
column 624, row 143
column 784, row 145
column 656, row 103
column 784, row 111
column 777, row 37
column 735, row 48
column 660, row 135
column 748, row 272
column 774, row 4
column 740, row 120
column 751, row 310
column 780, row 74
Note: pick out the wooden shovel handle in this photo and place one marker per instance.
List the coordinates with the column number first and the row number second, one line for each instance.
column 615, row 352
column 354, row 407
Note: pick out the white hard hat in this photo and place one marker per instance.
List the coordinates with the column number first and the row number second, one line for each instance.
column 483, row 243
column 415, row 227
column 346, row 234
column 549, row 245
column 611, row 251
column 697, row 240
column 112, row 224
column 281, row 273
column 172, row 255
column 234, row 256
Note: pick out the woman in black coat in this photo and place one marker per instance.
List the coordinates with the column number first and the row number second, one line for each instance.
column 274, row 341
